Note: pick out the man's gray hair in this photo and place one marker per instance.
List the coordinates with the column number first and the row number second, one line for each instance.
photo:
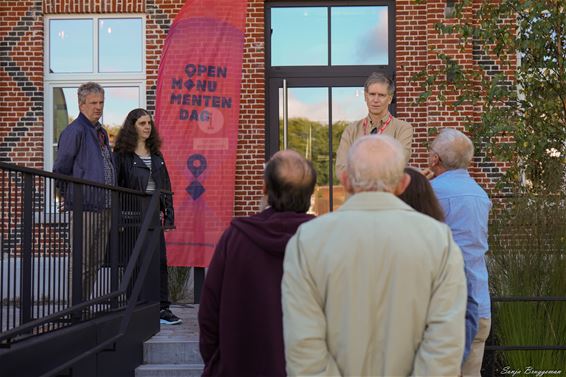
column 379, row 78
column 454, row 148
column 88, row 88
column 375, row 163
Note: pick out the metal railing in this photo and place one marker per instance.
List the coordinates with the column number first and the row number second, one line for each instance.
column 70, row 251
column 527, row 259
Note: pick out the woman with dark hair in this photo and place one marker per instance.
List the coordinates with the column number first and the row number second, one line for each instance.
column 420, row 196
column 140, row 166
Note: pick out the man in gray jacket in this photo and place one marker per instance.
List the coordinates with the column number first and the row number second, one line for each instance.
column 374, row 288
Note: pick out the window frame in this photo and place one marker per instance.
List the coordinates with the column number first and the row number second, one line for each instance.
column 95, row 75
column 320, row 76
column 328, row 75
column 329, row 70
column 105, row 79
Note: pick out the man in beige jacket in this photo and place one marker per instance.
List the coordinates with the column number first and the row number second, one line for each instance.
column 378, row 94
column 375, row 288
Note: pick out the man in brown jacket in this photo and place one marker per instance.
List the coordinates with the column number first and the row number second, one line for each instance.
column 378, row 93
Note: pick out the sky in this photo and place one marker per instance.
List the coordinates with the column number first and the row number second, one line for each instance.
column 312, row 103
column 119, row 42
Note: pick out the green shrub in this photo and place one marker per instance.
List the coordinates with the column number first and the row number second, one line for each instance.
column 528, row 258
column 178, row 279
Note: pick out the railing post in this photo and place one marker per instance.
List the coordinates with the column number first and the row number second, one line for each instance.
column 77, row 246
column 198, row 278
column 493, row 358
column 114, row 245
column 27, row 257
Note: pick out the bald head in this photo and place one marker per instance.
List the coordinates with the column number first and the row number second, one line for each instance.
column 375, row 163
column 455, row 150
column 289, row 180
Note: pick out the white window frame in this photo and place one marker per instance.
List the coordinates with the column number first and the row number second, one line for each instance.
column 114, row 79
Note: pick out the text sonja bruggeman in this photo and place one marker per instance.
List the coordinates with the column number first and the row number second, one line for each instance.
column 530, row 371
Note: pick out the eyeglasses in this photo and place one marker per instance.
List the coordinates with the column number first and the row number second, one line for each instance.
column 436, row 153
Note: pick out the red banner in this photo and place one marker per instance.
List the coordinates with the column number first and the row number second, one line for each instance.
column 197, row 113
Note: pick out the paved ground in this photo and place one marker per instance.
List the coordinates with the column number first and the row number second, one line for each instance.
column 189, row 327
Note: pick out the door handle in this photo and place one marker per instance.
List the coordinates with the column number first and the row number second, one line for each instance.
column 285, row 114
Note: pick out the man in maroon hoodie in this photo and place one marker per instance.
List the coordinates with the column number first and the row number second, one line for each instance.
column 240, row 315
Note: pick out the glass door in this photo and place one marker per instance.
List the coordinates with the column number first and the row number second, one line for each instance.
column 318, row 57
column 310, row 119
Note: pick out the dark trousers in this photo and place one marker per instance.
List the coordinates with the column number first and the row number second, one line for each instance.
column 163, row 274
column 95, row 232
column 128, row 236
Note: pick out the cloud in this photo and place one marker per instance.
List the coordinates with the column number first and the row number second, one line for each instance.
column 348, row 108
column 130, row 93
column 316, row 111
column 374, row 44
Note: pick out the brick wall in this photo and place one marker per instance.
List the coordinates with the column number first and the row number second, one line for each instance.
column 418, row 44
column 411, row 56
column 21, row 83
column 93, row 6
column 251, row 135
column 22, row 98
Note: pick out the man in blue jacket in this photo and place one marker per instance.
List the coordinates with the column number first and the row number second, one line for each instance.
column 466, row 209
column 84, row 152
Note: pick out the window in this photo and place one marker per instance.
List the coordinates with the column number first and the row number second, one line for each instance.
column 106, row 49
column 358, row 36
column 319, row 55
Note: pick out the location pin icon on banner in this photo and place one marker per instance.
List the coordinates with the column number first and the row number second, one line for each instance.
column 196, row 164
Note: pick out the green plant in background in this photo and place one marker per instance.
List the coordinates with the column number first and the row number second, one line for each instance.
column 310, row 138
column 518, row 80
column 178, row 278
column 528, row 258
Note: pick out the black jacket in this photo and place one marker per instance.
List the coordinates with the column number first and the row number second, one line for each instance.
column 132, row 173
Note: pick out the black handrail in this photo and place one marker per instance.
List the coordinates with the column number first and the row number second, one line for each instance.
column 43, row 279
column 68, row 178
column 140, row 243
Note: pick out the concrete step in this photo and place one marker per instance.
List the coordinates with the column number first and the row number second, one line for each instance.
column 170, row 356
column 169, row 370
column 171, row 350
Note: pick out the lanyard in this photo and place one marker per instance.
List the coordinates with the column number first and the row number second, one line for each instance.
column 379, row 130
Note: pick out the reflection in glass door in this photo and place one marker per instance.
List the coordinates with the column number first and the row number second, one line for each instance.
column 310, row 111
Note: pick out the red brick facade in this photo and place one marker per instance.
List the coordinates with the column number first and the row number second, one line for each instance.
column 22, row 90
